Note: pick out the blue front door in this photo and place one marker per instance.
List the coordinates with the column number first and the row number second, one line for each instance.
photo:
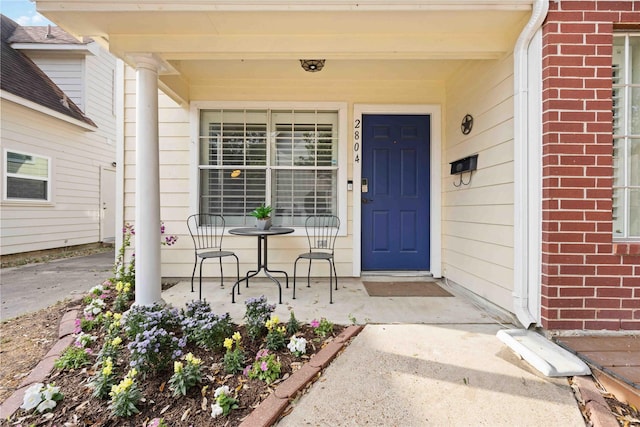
column 395, row 205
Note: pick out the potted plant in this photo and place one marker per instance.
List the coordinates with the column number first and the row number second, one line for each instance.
column 263, row 217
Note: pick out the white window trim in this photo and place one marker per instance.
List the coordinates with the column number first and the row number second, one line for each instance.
column 624, row 138
column 343, row 125
column 435, row 112
column 6, row 174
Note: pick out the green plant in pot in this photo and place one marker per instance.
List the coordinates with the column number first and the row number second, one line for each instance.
column 263, row 216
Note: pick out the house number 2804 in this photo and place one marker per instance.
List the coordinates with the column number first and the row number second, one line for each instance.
column 356, row 141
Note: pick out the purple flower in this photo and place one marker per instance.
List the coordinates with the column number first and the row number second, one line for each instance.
column 263, row 366
column 246, row 370
column 315, row 323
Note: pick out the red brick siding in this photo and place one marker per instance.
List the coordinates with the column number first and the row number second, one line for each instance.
column 588, row 281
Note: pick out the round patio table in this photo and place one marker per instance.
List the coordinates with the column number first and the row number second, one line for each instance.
column 262, row 236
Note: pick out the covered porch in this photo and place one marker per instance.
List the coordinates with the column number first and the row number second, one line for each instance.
column 440, row 59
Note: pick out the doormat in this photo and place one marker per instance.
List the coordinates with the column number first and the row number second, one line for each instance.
column 405, row 289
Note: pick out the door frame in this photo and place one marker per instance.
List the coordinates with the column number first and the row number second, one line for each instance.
column 435, row 202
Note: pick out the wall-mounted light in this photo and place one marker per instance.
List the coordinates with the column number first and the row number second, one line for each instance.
column 235, row 173
column 312, row 65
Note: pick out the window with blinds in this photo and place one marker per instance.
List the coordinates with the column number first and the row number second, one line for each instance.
column 286, row 159
column 27, row 177
column 626, row 136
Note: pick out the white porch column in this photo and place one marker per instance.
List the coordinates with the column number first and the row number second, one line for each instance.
column 147, row 225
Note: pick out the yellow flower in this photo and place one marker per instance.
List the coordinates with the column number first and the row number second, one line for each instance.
column 108, row 314
column 108, row 367
column 126, row 383
column 117, row 316
column 132, row 373
column 192, row 360
column 237, row 337
column 275, row 319
column 177, row 367
column 282, row 329
column 115, row 390
column 116, row 341
column 119, row 286
column 127, row 287
column 228, row 343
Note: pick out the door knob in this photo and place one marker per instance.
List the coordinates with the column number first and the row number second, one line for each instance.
column 365, row 200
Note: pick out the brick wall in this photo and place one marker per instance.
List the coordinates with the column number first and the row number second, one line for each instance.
column 588, row 281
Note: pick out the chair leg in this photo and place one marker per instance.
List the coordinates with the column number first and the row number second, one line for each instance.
column 295, row 265
column 193, row 273
column 237, row 266
column 221, row 275
column 309, row 275
column 200, row 288
column 330, row 284
column 334, row 272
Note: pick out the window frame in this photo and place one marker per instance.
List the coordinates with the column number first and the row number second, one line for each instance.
column 7, row 175
column 626, row 86
column 342, row 144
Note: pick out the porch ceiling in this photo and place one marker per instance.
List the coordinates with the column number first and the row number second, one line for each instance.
column 209, row 41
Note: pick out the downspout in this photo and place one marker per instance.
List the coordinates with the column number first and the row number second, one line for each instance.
column 523, row 136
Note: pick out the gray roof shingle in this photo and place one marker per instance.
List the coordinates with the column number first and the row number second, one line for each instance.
column 22, row 77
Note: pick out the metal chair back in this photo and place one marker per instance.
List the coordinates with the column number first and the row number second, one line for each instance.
column 206, row 231
column 322, row 231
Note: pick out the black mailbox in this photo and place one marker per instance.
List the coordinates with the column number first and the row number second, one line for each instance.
column 464, row 165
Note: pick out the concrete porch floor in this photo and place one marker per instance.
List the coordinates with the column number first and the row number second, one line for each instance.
column 351, row 303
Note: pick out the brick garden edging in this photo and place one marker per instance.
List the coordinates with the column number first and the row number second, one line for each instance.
column 273, row 406
column 44, row 367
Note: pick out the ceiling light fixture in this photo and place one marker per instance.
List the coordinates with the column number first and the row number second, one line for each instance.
column 312, row 65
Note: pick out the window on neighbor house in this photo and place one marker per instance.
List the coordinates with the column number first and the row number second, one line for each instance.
column 626, row 136
column 26, row 176
column 285, row 158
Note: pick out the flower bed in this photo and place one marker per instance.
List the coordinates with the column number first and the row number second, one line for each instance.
column 157, row 365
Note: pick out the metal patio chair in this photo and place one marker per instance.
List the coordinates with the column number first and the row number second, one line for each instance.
column 207, row 231
column 322, row 231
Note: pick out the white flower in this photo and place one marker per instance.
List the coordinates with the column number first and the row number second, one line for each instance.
column 32, row 397
column 222, row 390
column 95, row 306
column 46, row 405
column 96, row 290
column 49, row 392
column 297, row 345
column 216, row 410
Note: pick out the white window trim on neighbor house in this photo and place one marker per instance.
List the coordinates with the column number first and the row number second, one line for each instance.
column 435, row 203
column 7, row 175
column 625, row 106
column 339, row 107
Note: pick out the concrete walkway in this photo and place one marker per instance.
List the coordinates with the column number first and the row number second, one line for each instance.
column 433, row 375
column 32, row 287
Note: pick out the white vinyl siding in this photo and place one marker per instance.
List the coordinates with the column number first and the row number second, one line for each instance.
column 73, row 214
column 626, row 137
column 478, row 232
column 66, row 71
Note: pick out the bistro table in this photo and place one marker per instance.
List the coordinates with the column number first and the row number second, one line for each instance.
column 262, row 256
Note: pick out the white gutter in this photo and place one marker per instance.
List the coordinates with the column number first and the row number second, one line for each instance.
column 526, row 186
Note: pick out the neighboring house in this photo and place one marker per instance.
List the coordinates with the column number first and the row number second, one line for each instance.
column 58, row 129
column 544, row 92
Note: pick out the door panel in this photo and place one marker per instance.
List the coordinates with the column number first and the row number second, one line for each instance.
column 395, row 209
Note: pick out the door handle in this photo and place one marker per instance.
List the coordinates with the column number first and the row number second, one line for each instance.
column 365, row 200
